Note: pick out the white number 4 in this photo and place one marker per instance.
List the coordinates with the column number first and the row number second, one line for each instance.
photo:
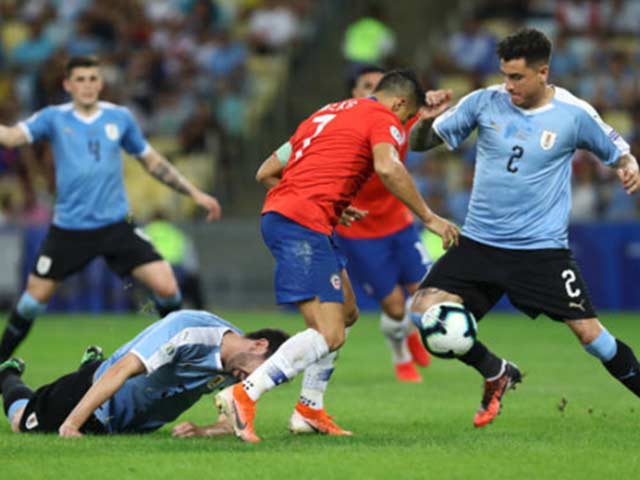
column 569, row 277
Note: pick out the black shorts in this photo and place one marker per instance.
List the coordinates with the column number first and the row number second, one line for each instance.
column 51, row 404
column 544, row 281
column 64, row 252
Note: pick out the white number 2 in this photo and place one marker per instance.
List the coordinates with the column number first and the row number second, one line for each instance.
column 322, row 121
column 569, row 277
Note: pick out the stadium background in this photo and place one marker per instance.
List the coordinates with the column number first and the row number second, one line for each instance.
column 218, row 84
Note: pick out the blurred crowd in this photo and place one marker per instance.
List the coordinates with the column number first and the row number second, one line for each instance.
column 596, row 55
column 188, row 70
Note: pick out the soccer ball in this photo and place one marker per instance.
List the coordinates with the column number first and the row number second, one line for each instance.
column 448, row 330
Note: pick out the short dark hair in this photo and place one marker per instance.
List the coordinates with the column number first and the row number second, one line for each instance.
column 402, row 83
column 80, row 61
column 363, row 70
column 273, row 336
column 527, row 43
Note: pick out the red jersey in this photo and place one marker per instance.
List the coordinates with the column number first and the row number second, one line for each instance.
column 332, row 157
column 387, row 214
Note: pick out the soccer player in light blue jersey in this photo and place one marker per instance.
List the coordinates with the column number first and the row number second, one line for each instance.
column 91, row 210
column 514, row 239
column 145, row 384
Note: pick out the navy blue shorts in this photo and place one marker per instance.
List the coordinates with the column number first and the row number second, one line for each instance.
column 308, row 263
column 379, row 264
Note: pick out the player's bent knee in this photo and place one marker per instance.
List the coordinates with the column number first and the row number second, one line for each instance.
column 586, row 330
column 427, row 297
column 334, row 338
column 15, row 420
column 352, row 316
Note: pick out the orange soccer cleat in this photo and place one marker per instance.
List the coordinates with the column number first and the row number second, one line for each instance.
column 407, row 372
column 493, row 392
column 310, row 420
column 238, row 407
column 419, row 354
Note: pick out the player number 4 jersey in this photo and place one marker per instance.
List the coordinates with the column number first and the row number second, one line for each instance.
column 331, row 157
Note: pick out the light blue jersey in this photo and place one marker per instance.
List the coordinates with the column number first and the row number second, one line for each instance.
column 88, row 163
column 181, row 354
column 521, row 194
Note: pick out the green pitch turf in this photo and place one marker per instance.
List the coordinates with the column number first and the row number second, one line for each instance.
column 567, row 420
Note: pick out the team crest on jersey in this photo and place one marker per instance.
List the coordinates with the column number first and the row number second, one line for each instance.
column 548, row 139
column 44, row 264
column 32, row 421
column 336, row 282
column 111, row 129
column 397, row 134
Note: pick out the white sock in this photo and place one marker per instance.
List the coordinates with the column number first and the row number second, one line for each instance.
column 293, row 356
column 316, row 379
column 396, row 334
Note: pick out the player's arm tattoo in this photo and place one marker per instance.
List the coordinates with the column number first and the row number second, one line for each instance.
column 422, row 137
column 160, row 168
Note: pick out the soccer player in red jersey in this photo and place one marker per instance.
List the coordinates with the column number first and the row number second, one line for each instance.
column 313, row 178
column 385, row 254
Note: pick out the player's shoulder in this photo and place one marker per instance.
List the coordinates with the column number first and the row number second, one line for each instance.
column 187, row 319
column 568, row 101
column 51, row 110
column 113, row 109
column 496, row 92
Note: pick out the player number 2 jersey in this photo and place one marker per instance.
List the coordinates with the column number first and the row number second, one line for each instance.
column 331, row 157
column 521, row 196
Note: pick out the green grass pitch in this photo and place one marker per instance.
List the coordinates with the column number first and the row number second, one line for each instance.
column 401, row 431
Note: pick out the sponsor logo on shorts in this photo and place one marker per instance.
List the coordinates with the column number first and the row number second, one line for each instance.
column 43, row 266
column 579, row 305
column 111, row 129
column 32, row 421
column 336, row 282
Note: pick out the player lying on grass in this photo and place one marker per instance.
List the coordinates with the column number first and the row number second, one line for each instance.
column 145, row 384
column 515, row 237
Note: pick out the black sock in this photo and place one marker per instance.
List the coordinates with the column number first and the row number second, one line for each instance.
column 16, row 330
column 167, row 309
column 485, row 362
column 624, row 367
column 13, row 389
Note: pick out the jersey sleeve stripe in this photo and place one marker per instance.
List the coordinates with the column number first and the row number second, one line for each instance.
column 25, row 128
column 145, row 150
column 444, row 140
column 566, row 97
column 144, row 361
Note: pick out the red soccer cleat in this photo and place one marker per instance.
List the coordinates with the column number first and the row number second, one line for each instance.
column 310, row 420
column 407, row 372
column 493, row 393
column 240, row 410
column 419, row 354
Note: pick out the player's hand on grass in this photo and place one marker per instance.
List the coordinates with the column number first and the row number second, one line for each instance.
column 66, row 430
column 189, row 429
column 629, row 174
column 210, row 204
column 447, row 230
column 437, row 101
column 351, row 214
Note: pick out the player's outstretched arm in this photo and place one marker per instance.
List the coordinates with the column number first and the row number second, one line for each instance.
column 628, row 173
column 189, row 429
column 270, row 172
column 422, row 137
column 397, row 180
column 12, row 136
column 160, row 168
column 101, row 391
